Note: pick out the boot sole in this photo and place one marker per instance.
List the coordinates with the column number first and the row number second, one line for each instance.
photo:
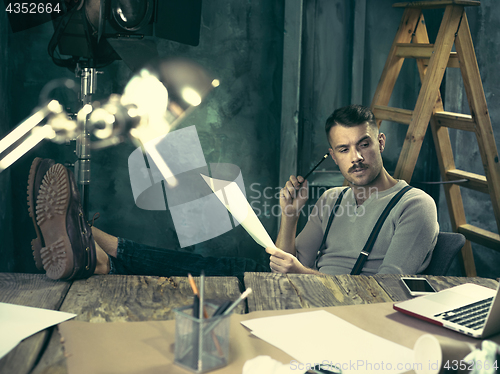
column 36, row 244
column 51, row 210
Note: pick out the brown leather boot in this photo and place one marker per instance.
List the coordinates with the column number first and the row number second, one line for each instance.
column 67, row 248
column 37, row 171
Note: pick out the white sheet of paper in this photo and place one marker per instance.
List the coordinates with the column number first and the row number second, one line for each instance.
column 7, row 345
column 321, row 337
column 17, row 322
column 236, row 203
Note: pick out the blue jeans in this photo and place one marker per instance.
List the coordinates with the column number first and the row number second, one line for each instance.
column 139, row 259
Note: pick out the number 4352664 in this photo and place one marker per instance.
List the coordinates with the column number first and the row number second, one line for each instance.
column 454, row 365
column 32, row 8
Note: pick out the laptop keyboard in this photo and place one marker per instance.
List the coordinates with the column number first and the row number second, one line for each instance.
column 472, row 316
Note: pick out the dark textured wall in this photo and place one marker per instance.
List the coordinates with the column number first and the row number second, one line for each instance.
column 6, row 237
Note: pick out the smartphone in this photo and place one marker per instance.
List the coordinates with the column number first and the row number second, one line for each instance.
column 417, row 286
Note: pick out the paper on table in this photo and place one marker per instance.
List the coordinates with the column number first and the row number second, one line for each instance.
column 146, row 347
column 233, row 199
column 17, row 322
column 7, row 345
column 320, row 337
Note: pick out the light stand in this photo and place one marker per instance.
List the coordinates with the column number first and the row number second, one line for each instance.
column 27, row 134
column 82, row 164
column 153, row 103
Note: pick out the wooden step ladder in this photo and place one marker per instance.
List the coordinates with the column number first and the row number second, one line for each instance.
column 412, row 41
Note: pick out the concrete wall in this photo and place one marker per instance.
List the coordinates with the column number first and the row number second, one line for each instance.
column 6, row 237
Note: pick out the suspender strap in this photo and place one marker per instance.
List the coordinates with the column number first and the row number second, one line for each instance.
column 330, row 220
column 358, row 266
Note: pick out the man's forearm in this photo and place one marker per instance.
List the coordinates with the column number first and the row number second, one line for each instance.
column 286, row 235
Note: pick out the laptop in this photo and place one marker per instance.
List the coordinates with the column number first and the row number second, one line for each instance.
column 469, row 309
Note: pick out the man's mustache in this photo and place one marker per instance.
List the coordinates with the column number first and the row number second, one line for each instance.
column 357, row 166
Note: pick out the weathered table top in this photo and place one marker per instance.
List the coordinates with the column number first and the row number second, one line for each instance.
column 293, row 291
column 97, row 299
column 138, row 298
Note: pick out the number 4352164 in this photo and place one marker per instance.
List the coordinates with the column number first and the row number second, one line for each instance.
column 32, row 8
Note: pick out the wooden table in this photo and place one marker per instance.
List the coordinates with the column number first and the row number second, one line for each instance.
column 138, row 298
column 100, row 298
column 294, row 291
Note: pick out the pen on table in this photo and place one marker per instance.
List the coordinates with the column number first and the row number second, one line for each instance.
column 196, row 304
column 242, row 297
column 314, row 168
column 222, row 308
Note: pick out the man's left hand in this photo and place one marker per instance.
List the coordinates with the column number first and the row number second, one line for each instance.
column 284, row 262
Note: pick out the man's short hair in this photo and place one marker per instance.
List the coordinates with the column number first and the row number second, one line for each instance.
column 350, row 116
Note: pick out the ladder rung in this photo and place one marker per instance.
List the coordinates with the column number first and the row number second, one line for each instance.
column 385, row 113
column 476, row 181
column 477, row 235
column 435, row 4
column 455, row 121
column 424, row 51
column 452, row 62
column 414, row 50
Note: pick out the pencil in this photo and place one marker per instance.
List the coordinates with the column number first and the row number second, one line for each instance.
column 196, row 292
column 314, row 168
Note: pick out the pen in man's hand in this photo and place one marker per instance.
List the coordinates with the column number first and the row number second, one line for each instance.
column 314, row 168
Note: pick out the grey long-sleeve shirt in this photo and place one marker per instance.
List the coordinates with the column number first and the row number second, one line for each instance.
column 403, row 246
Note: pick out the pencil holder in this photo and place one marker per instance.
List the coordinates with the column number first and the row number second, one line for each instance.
column 201, row 345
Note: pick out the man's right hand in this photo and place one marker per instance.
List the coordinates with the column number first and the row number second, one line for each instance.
column 293, row 196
